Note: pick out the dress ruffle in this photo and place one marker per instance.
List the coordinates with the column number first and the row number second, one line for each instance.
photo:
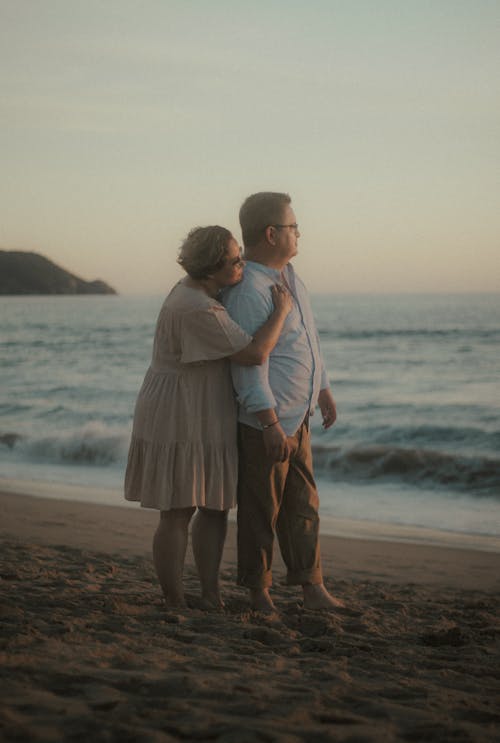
column 163, row 475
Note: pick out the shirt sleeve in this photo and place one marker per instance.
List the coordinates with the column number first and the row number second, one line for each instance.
column 209, row 334
column 325, row 381
column 251, row 383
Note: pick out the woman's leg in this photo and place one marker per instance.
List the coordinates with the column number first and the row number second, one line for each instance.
column 209, row 534
column 169, row 553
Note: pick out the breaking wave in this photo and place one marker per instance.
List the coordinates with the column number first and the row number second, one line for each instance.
column 93, row 444
column 478, row 474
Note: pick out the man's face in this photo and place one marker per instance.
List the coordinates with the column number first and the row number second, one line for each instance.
column 287, row 235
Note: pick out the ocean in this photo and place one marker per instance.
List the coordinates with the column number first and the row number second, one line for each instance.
column 416, row 449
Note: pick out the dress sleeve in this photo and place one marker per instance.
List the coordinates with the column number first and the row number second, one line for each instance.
column 209, row 334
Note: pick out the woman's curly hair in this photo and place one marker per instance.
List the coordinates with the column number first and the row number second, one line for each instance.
column 204, row 251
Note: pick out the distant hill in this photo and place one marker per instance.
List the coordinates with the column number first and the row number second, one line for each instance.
column 31, row 273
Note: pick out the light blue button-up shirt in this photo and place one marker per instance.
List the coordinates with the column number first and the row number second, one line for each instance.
column 291, row 378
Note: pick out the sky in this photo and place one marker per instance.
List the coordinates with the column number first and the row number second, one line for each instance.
column 125, row 124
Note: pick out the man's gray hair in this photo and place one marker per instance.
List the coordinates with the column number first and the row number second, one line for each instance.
column 259, row 211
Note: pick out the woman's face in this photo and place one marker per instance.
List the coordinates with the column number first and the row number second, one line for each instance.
column 232, row 270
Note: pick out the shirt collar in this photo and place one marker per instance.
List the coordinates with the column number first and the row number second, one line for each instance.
column 274, row 273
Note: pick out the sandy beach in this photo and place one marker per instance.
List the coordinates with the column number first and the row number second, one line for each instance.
column 89, row 652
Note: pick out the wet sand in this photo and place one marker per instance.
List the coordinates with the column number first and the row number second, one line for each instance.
column 89, row 652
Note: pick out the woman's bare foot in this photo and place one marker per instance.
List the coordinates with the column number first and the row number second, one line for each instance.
column 317, row 597
column 260, row 600
column 211, row 601
column 175, row 602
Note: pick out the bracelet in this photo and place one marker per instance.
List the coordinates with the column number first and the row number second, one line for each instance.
column 268, row 425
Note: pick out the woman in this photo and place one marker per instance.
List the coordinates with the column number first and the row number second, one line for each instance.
column 183, row 453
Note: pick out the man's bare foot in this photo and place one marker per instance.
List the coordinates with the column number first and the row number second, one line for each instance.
column 317, row 597
column 260, row 600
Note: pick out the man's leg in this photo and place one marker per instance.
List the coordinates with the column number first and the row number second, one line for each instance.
column 298, row 527
column 260, row 487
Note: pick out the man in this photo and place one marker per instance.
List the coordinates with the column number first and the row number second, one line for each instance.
column 276, row 488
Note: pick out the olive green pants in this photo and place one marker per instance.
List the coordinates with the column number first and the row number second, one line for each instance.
column 281, row 498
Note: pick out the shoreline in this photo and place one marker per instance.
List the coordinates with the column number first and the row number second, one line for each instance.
column 330, row 526
column 128, row 531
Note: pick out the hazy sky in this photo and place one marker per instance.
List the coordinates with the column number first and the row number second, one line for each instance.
column 123, row 124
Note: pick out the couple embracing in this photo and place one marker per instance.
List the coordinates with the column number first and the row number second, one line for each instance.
column 245, row 326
